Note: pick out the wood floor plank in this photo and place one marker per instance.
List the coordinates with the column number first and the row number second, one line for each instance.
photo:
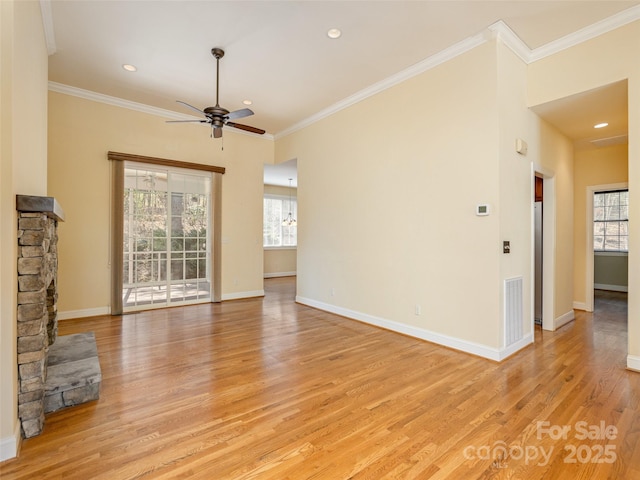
column 272, row 390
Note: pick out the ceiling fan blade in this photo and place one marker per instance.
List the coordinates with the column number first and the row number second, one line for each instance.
column 186, row 121
column 243, row 112
column 191, row 107
column 246, row 128
column 217, row 132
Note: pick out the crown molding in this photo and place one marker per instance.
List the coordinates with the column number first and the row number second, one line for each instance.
column 587, row 33
column 138, row 107
column 117, row 102
column 420, row 67
column 498, row 30
column 47, row 24
column 502, row 31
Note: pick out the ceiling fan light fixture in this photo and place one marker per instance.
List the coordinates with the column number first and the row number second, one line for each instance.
column 601, row 125
column 130, row 68
column 334, row 33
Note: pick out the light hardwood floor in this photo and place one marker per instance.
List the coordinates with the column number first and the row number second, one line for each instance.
column 269, row 389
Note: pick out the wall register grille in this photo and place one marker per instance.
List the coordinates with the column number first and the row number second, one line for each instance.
column 512, row 310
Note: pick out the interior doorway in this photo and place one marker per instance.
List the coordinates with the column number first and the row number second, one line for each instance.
column 280, row 220
column 590, row 250
column 545, row 286
column 538, row 247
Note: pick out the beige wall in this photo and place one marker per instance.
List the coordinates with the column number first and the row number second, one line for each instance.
column 23, row 167
column 81, row 134
column 547, row 150
column 556, row 157
column 279, row 261
column 8, row 254
column 610, row 272
column 515, row 177
column 603, row 60
column 30, row 110
column 598, row 166
column 279, row 190
column 454, row 149
column 387, row 212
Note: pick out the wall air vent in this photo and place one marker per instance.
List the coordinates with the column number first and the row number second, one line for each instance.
column 512, row 310
column 607, row 142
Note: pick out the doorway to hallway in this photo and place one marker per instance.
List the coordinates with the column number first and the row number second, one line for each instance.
column 538, row 252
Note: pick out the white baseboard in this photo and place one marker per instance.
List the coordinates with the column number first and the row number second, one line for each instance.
column 613, row 288
column 10, row 446
column 515, row 347
column 633, row 362
column 240, row 295
column 423, row 334
column 93, row 312
column 580, row 306
column 280, row 274
column 87, row 312
column 563, row 319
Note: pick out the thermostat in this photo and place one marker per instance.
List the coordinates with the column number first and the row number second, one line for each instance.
column 482, row 209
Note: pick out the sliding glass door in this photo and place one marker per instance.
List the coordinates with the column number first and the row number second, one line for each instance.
column 166, row 237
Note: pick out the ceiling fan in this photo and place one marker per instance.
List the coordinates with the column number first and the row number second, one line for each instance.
column 218, row 116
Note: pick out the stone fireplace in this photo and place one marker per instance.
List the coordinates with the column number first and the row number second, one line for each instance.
column 53, row 372
column 37, row 329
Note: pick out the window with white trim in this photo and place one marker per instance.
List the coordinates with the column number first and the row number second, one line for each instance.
column 611, row 221
column 276, row 210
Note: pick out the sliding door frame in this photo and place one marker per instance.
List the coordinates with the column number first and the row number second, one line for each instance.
column 117, row 224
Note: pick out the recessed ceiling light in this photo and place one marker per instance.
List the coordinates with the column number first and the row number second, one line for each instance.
column 247, row 102
column 130, row 68
column 601, row 125
column 334, row 33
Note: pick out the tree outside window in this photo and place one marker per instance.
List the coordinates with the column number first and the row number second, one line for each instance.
column 611, row 221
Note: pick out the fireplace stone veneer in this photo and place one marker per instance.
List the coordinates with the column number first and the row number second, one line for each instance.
column 37, row 327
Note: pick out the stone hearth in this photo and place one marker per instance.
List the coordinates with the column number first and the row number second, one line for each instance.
column 73, row 372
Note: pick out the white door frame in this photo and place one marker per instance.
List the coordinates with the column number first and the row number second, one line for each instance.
column 548, row 246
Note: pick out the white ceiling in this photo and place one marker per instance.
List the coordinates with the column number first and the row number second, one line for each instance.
column 281, row 173
column 277, row 52
column 575, row 116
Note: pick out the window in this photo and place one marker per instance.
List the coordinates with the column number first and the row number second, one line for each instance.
column 166, row 251
column 610, row 221
column 276, row 210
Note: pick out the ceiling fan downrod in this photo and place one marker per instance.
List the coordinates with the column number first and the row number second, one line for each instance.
column 218, row 53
